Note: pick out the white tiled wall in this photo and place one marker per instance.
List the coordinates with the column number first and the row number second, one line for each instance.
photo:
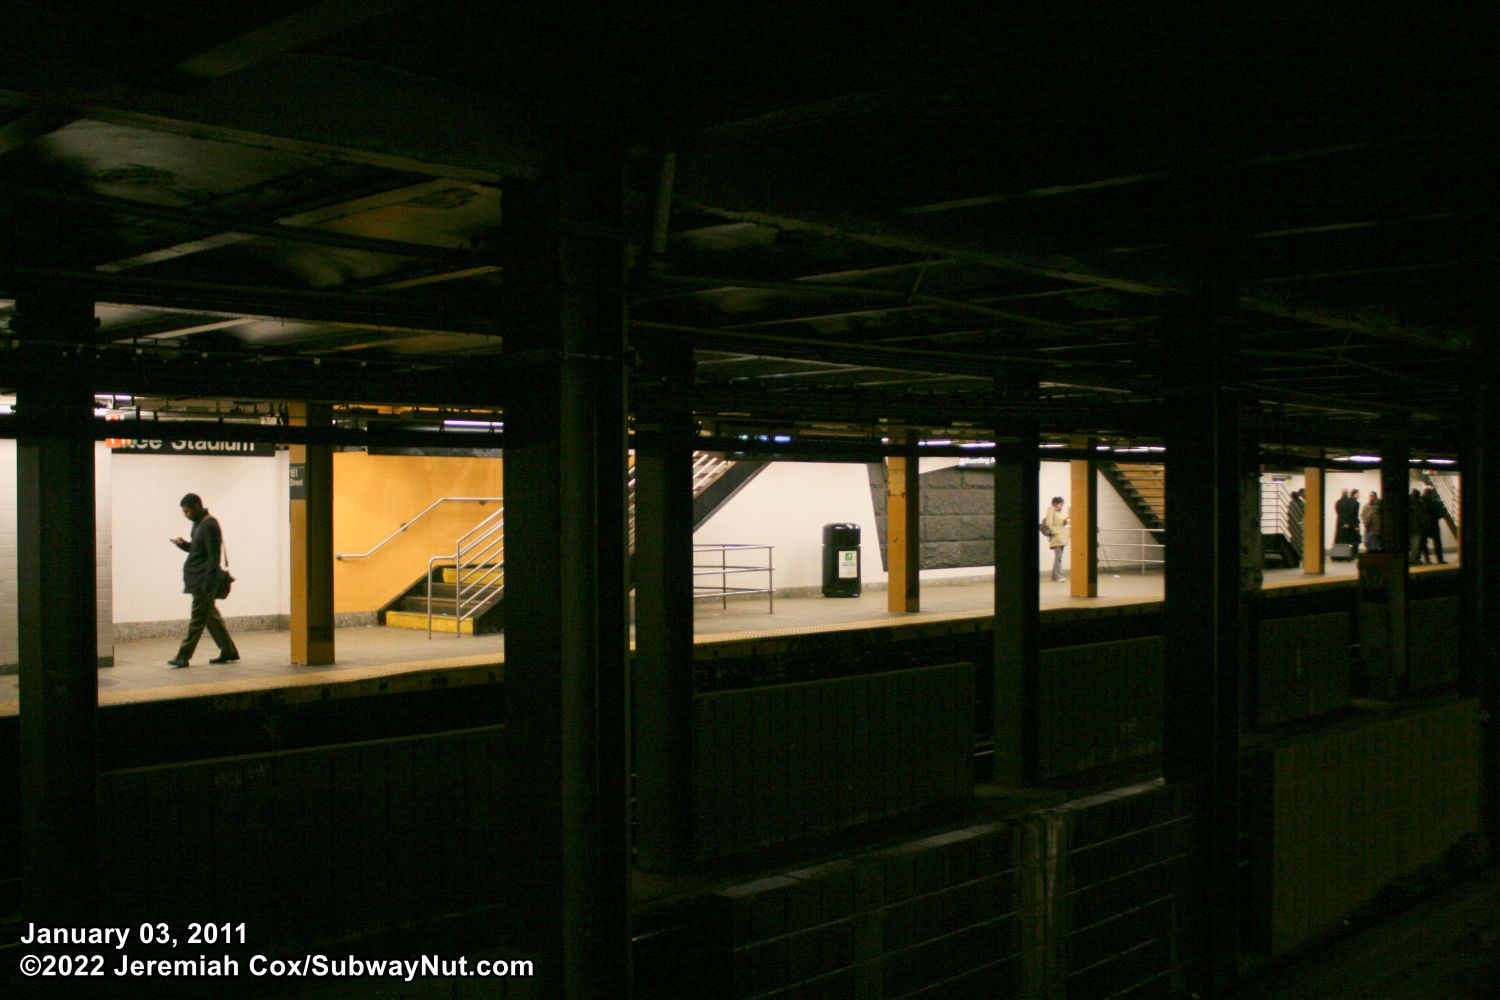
column 8, row 570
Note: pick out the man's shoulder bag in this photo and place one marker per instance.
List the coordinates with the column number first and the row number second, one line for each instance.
column 223, row 579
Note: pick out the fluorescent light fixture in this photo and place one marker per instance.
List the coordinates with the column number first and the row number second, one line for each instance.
column 977, row 444
column 474, row 425
column 1363, row 458
column 1441, row 461
column 1101, row 447
column 935, row 442
column 1049, row 444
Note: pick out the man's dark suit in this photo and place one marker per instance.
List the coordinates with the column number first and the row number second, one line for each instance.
column 199, row 578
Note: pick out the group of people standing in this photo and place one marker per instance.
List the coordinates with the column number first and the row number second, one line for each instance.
column 1425, row 516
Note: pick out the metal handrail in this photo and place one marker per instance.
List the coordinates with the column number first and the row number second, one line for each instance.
column 1144, row 540
column 1447, row 490
column 482, row 547
column 724, row 570
column 407, row 524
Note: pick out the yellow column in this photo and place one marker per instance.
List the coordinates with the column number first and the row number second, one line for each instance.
column 1312, row 521
column 1083, row 579
column 903, row 532
column 310, row 508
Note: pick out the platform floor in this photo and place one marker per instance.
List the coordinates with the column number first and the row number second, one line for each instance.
column 370, row 653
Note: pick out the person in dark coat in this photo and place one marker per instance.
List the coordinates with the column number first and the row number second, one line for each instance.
column 1437, row 513
column 1346, row 519
column 1369, row 518
column 200, row 578
column 1416, row 526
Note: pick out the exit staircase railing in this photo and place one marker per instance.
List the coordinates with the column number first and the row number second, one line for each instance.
column 1279, row 515
column 407, row 524
column 1447, row 487
column 478, row 570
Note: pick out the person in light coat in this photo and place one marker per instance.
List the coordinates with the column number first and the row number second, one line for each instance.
column 1057, row 535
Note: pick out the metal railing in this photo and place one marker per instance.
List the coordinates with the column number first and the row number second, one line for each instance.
column 1275, row 499
column 1447, row 486
column 1279, row 515
column 407, row 524
column 724, row 570
column 706, row 468
column 1136, row 545
column 478, row 570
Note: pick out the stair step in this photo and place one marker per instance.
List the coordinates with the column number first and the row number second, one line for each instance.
column 418, row 604
column 475, row 576
column 440, row 623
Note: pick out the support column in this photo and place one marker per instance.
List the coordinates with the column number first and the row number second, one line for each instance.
column 566, row 637
column 1312, row 520
column 310, row 509
column 1017, row 595
column 1479, row 675
column 57, row 613
column 1395, row 502
column 1083, row 580
column 903, row 508
column 664, row 614
column 1206, row 619
column 1382, row 580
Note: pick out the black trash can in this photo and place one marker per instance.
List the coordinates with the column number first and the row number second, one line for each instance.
column 841, row 560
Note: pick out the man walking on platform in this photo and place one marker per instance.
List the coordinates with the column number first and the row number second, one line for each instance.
column 200, row 578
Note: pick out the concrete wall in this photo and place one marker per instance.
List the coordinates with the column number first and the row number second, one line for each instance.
column 787, row 762
column 1343, row 812
column 312, row 844
column 1079, row 901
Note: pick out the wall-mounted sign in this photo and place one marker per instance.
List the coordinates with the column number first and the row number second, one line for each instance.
column 976, row 462
column 297, row 480
column 165, row 446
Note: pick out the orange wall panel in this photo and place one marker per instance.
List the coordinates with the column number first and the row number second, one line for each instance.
column 374, row 494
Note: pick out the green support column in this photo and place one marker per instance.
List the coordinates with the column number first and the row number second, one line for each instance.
column 1480, row 624
column 664, row 614
column 1207, row 618
column 310, row 510
column 566, row 629
column 1382, row 590
column 57, row 613
column 1017, row 594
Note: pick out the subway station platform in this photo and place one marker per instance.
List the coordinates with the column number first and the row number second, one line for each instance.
column 375, row 659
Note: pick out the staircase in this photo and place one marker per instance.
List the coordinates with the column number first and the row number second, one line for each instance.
column 481, row 618
column 1144, row 490
column 1446, row 484
column 1280, row 527
column 463, row 592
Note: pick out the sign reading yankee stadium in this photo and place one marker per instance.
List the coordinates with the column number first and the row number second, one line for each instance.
column 162, row 446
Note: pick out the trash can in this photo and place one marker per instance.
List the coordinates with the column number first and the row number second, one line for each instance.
column 841, row 560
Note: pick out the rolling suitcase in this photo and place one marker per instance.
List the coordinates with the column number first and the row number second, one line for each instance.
column 1341, row 552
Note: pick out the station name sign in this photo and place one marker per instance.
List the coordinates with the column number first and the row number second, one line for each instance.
column 163, row 446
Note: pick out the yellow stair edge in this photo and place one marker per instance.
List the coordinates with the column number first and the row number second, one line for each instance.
column 472, row 578
column 418, row 620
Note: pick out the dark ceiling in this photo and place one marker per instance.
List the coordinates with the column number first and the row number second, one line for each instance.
column 871, row 217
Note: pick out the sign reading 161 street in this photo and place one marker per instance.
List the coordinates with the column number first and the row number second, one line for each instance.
column 162, row 446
